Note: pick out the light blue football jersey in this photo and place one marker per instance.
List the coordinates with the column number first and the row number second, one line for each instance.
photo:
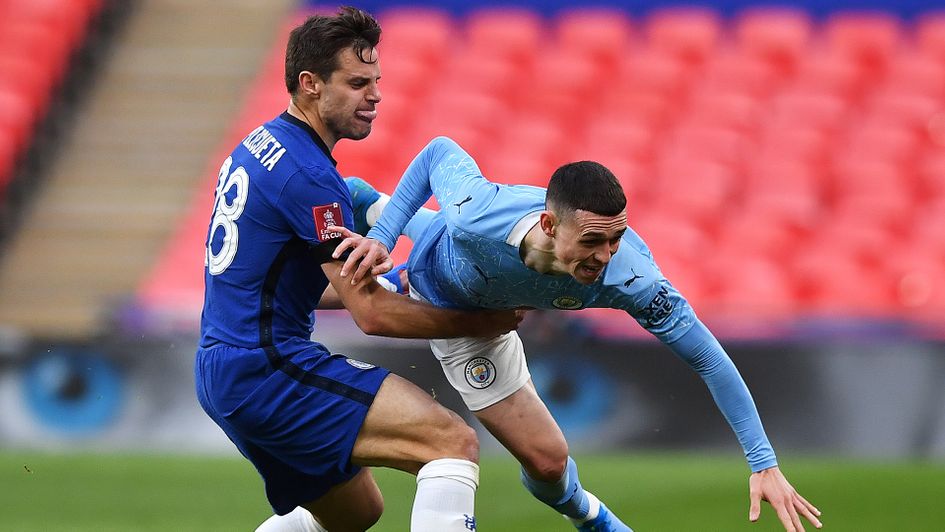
column 468, row 257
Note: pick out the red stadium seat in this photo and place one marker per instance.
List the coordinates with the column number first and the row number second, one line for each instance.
column 17, row 117
column 758, row 288
column 930, row 33
column 607, row 136
column 880, row 141
column 870, row 38
column 833, row 282
column 873, row 186
column 699, row 142
column 743, row 73
column 809, row 108
column 692, row 34
column 419, row 34
column 917, row 73
column 786, row 190
column 516, row 34
column 832, row 73
column 700, row 190
column 779, row 36
column 904, row 109
column 918, row 280
column 8, row 158
column 799, row 143
column 931, row 175
column 726, row 109
column 603, row 35
column 567, row 80
column 653, row 70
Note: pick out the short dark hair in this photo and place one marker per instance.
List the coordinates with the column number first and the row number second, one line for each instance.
column 586, row 186
column 315, row 44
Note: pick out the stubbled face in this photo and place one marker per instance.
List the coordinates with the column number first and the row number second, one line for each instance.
column 584, row 242
column 348, row 100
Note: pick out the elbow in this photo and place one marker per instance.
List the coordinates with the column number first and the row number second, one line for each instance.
column 372, row 326
column 369, row 323
column 373, row 320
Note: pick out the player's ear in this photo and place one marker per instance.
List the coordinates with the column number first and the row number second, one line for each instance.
column 310, row 84
column 547, row 222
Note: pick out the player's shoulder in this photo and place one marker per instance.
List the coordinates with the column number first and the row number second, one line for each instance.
column 632, row 267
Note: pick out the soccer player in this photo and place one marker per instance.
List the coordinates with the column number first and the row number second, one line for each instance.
column 307, row 419
column 568, row 247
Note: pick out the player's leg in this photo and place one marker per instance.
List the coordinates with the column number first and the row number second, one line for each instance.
column 353, row 505
column 524, row 426
column 309, row 426
column 404, row 429
column 492, row 377
column 407, row 430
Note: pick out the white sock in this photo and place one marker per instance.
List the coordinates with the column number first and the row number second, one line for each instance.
column 593, row 504
column 298, row 520
column 373, row 212
column 446, row 493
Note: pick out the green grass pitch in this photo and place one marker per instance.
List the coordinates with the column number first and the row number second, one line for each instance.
column 653, row 492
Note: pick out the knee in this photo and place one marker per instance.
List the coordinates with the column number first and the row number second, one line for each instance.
column 366, row 515
column 372, row 513
column 546, row 464
column 459, row 440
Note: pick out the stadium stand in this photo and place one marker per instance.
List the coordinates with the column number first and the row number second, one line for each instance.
column 799, row 153
column 38, row 42
column 122, row 177
column 794, row 153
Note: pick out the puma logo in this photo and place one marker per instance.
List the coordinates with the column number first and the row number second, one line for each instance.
column 632, row 279
column 459, row 206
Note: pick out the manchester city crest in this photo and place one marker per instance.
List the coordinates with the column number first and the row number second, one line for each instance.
column 567, row 303
column 480, row 372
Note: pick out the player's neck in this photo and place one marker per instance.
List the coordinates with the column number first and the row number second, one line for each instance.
column 309, row 115
column 538, row 251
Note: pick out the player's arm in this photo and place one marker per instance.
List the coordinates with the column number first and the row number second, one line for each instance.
column 441, row 169
column 699, row 348
column 382, row 313
column 393, row 281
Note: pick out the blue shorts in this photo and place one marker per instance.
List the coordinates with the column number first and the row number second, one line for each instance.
column 294, row 412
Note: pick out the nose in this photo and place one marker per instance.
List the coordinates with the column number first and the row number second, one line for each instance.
column 603, row 253
column 374, row 95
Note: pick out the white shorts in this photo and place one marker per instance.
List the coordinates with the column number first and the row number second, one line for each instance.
column 483, row 370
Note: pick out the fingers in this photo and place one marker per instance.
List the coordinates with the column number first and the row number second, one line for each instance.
column 790, row 522
column 809, row 506
column 754, row 509
column 383, row 267
column 345, row 232
column 807, row 510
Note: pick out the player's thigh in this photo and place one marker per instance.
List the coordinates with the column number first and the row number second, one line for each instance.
column 523, row 425
column 483, row 370
column 405, row 428
column 353, row 506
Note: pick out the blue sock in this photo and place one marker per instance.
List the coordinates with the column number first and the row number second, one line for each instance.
column 566, row 495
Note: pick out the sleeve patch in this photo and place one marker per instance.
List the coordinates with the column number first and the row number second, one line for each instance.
column 325, row 216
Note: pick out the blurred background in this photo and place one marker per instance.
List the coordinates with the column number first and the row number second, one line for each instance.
column 785, row 163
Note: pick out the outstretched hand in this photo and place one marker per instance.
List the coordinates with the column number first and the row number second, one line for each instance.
column 367, row 255
column 770, row 485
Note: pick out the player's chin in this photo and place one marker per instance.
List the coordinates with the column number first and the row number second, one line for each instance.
column 586, row 274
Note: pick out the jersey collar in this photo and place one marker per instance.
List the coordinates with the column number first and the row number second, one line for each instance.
column 311, row 132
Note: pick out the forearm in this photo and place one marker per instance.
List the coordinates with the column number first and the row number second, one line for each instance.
column 380, row 312
column 411, row 193
column 699, row 348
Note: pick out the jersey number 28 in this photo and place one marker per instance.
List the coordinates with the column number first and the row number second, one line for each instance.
column 225, row 214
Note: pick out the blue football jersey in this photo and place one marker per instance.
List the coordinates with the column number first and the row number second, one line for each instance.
column 276, row 195
column 469, row 257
